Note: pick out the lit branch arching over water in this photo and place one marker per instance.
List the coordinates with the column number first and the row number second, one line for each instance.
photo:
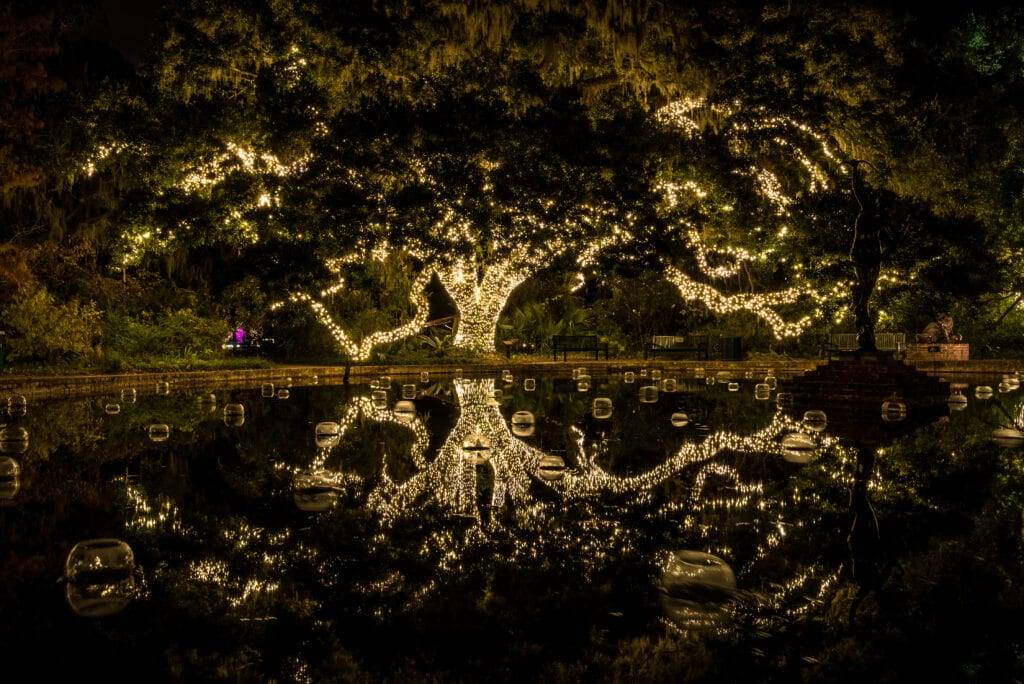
column 362, row 349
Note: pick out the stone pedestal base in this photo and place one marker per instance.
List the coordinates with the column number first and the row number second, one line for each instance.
column 947, row 351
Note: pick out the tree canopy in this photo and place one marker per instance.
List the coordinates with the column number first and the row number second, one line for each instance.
column 769, row 160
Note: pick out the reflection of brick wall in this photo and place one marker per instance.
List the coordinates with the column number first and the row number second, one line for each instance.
column 938, row 352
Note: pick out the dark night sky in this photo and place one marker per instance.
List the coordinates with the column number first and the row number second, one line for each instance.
column 127, row 25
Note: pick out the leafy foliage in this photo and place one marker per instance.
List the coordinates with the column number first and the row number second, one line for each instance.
column 45, row 330
column 180, row 333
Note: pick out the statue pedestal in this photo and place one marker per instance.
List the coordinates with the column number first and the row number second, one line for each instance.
column 940, row 351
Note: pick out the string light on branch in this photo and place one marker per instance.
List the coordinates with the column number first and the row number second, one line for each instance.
column 362, row 349
column 762, row 305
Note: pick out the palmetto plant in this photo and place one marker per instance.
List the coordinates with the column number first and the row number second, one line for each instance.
column 437, row 342
column 534, row 324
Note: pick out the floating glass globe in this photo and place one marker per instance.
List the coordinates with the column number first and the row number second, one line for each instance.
column 425, row 377
column 458, row 374
column 784, row 399
column 10, row 478
column 723, row 376
column 602, row 408
column 983, row 392
column 709, row 380
column 679, row 420
column 100, row 575
column 112, row 409
column 408, row 391
column 694, row 587
column 668, row 385
column 17, row 405
column 798, row 447
column 894, row 410
column 656, row 374
column 643, row 373
column 163, row 387
column 315, row 492
column 530, row 384
column 648, row 394
column 815, row 420
column 405, row 411
column 159, row 432
column 583, row 384
column 577, row 372
column 234, row 410
column 283, row 393
column 327, row 434
column 506, row 375
column 551, row 468
column 698, row 372
column 384, row 382
column 379, row 399
column 1008, row 437
column 629, row 377
column 210, row 398
column 957, row 401
column 235, row 417
column 13, row 439
column 771, row 381
column 129, row 395
column 476, row 448
column 762, row 392
column 267, row 389
column 734, row 387
column 523, row 424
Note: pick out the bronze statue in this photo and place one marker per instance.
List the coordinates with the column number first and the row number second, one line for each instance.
column 938, row 331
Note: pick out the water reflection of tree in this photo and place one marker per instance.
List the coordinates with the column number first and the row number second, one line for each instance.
column 234, row 565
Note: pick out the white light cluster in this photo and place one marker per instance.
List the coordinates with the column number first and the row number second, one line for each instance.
column 239, row 157
column 99, row 155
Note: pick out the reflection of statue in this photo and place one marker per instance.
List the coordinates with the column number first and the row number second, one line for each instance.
column 939, row 330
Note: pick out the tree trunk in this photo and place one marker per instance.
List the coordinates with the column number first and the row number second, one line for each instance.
column 866, row 254
column 480, row 300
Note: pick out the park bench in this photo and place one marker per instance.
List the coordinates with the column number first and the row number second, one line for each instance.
column 846, row 343
column 578, row 343
column 667, row 345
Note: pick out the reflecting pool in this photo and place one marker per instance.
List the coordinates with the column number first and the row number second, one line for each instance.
column 632, row 528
